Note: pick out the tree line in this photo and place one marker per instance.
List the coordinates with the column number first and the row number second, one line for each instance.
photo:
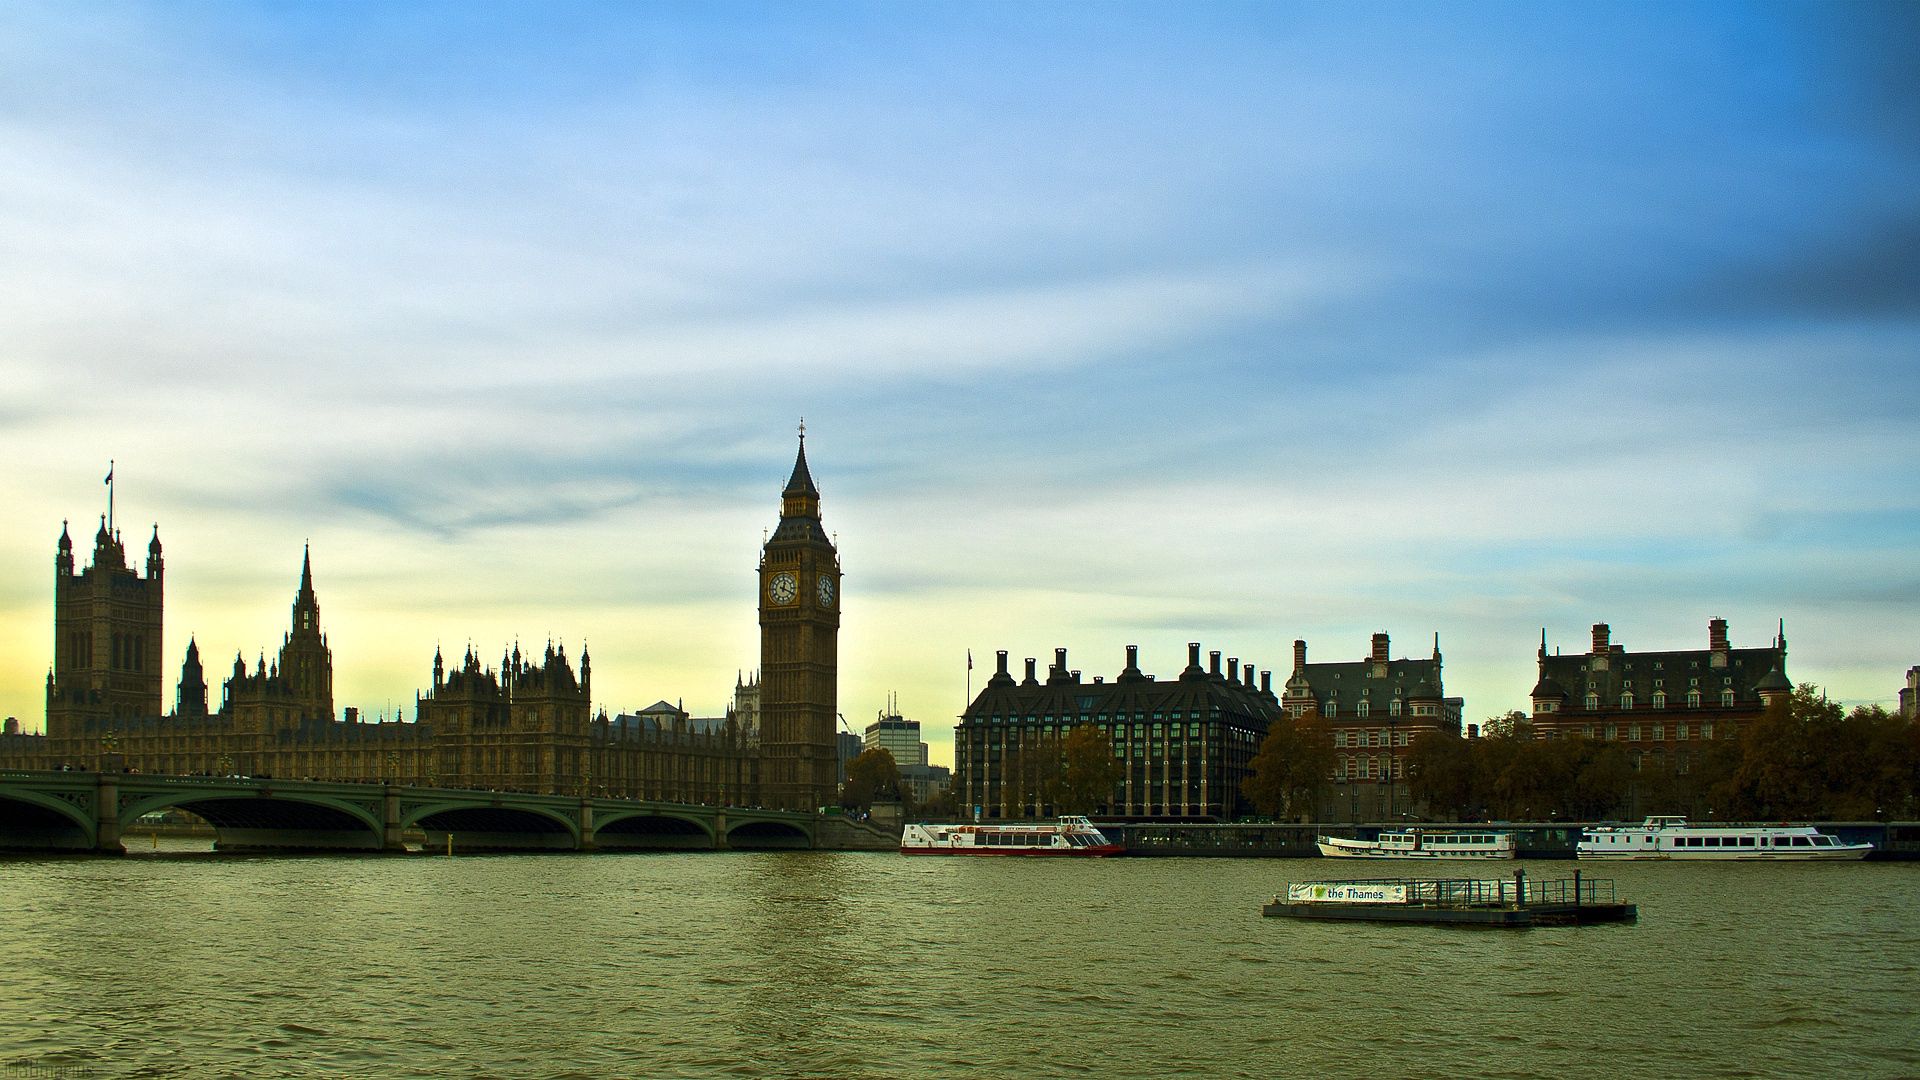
column 1804, row 758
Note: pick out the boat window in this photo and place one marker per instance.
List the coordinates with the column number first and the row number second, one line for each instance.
column 1820, row 841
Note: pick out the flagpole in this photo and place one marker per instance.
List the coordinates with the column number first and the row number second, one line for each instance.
column 109, row 496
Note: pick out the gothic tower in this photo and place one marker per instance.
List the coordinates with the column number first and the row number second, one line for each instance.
column 305, row 660
column 799, row 631
column 106, row 641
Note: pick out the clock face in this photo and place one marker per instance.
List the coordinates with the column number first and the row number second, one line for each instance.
column 825, row 592
column 782, row 588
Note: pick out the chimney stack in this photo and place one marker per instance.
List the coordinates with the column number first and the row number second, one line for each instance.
column 1002, row 669
column 1193, row 654
column 1213, row 665
column 1601, row 635
column 1379, row 648
column 1030, row 663
column 1133, row 657
column 1717, row 635
column 1060, row 660
column 1233, row 669
column 1266, row 683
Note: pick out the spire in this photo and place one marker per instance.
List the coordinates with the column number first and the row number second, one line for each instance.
column 306, row 570
column 66, row 542
column 800, row 484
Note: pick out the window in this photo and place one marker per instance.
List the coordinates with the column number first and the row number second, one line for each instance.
column 1633, row 732
column 1659, row 700
column 1364, row 709
column 1693, row 699
column 1726, row 697
column 1328, row 708
column 1680, row 732
column 1593, row 701
column 1626, row 700
column 1659, row 732
column 1706, row 731
column 1395, row 710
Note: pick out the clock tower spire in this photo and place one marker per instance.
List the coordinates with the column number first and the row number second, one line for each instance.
column 799, row 652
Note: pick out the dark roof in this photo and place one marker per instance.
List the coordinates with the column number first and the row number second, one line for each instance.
column 1744, row 671
column 1347, row 683
column 1065, row 697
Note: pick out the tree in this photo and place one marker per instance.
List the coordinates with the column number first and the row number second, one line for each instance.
column 1505, row 725
column 1291, row 766
column 871, row 777
column 1440, row 774
column 1030, row 775
column 1088, row 771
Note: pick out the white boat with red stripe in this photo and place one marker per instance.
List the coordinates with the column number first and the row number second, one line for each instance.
column 1070, row 837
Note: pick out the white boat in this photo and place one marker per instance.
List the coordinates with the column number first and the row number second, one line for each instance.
column 1071, row 836
column 1421, row 844
column 1665, row 837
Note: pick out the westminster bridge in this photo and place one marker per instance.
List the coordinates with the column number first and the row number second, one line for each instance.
column 89, row 811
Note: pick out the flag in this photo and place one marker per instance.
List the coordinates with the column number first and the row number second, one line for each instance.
column 969, row 659
column 109, row 480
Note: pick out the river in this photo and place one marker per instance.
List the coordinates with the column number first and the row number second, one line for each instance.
column 865, row 965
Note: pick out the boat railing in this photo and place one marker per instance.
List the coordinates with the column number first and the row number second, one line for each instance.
column 1495, row 892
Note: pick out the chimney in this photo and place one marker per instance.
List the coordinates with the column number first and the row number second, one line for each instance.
column 1002, row 669
column 1030, row 662
column 1266, row 683
column 1233, row 669
column 1379, row 648
column 1601, row 634
column 1299, row 653
column 1717, row 635
column 1133, row 657
column 1193, row 654
column 1060, row 660
column 1213, row 665
column 1249, row 678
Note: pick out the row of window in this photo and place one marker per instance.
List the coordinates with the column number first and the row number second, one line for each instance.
column 1656, row 732
column 1374, row 737
column 1368, row 768
column 1331, row 707
column 1660, row 699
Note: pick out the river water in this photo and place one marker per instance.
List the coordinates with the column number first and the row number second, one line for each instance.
column 865, row 965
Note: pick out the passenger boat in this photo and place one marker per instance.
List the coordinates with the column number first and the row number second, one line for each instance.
column 1071, row 836
column 1662, row 837
column 1421, row 844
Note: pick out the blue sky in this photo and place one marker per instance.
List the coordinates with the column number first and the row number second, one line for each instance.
column 1111, row 324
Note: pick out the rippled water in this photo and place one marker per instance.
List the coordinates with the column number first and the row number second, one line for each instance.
column 860, row 965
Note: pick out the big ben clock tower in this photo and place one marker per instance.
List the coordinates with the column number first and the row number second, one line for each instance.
column 799, row 631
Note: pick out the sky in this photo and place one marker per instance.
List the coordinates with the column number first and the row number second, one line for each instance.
column 1110, row 324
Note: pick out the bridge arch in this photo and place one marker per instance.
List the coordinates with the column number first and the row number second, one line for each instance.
column 651, row 829
column 490, row 825
column 265, row 819
column 39, row 820
column 769, row 834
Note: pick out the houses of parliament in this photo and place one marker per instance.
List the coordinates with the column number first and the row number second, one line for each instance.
column 524, row 725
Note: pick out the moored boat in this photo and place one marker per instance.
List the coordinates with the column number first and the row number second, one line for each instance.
column 1421, row 844
column 1071, row 836
column 1671, row 837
